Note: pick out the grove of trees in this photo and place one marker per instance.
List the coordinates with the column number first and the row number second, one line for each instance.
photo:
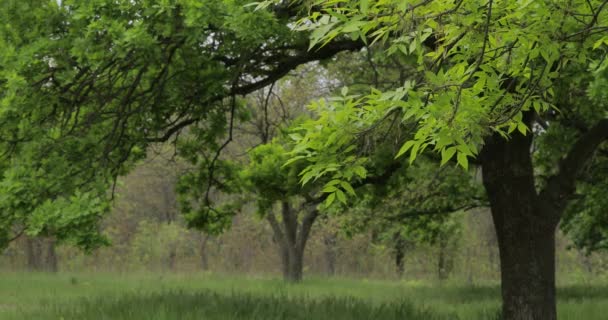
column 418, row 110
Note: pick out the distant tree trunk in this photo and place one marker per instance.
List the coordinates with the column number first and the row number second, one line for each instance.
column 525, row 230
column 330, row 253
column 292, row 236
column 172, row 257
column 40, row 254
column 400, row 262
column 441, row 263
column 469, row 266
column 33, row 254
column 399, row 248
column 51, row 256
column 444, row 262
column 204, row 238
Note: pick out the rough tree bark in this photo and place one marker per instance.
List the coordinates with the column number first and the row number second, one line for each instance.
column 292, row 236
column 525, row 220
column 525, row 231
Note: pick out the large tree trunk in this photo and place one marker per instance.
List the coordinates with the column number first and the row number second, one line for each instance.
column 525, row 230
column 296, row 265
column 527, row 255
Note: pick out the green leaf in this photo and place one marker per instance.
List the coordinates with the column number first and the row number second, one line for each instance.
column 307, row 176
column 333, row 182
column 330, row 199
column 414, row 152
column 341, row 196
column 346, row 186
column 295, row 136
column 352, row 26
column 413, row 46
column 463, row 161
column 522, row 128
column 329, row 189
column 360, row 171
column 406, row 146
column 447, row 154
column 364, row 6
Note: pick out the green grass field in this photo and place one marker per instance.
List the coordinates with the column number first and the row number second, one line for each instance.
column 161, row 297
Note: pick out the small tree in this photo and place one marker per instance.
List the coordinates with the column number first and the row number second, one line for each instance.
column 271, row 183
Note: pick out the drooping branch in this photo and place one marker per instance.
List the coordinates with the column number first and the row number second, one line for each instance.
column 284, row 65
column 562, row 185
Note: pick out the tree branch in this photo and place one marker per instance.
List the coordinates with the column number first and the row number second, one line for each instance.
column 418, row 213
column 276, row 228
column 284, row 66
column 562, row 185
column 305, row 227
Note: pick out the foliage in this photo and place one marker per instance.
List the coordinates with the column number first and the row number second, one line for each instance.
column 478, row 68
column 268, row 178
column 87, row 86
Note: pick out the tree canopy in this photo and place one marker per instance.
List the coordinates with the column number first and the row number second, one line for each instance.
column 515, row 88
column 87, row 86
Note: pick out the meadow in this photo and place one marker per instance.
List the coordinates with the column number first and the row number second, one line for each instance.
column 209, row 296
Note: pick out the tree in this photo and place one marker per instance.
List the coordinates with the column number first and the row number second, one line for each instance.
column 273, row 184
column 260, row 179
column 87, row 86
column 492, row 80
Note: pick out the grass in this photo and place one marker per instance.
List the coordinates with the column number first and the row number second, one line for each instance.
column 205, row 296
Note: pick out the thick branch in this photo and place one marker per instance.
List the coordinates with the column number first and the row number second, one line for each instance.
column 284, row 66
column 561, row 186
column 305, row 227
